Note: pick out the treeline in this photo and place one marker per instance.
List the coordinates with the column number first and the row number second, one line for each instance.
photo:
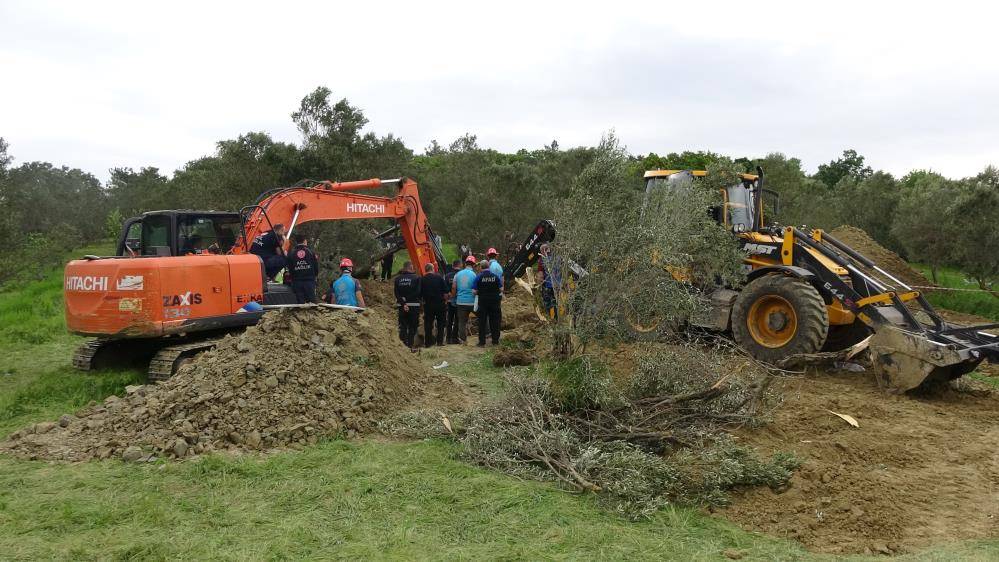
column 473, row 194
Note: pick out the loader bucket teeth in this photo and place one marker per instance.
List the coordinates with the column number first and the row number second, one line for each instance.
column 905, row 361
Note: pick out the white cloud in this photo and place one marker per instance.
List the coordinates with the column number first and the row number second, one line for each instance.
column 909, row 85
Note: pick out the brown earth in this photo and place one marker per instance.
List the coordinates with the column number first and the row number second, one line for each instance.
column 298, row 376
column 917, row 471
column 883, row 257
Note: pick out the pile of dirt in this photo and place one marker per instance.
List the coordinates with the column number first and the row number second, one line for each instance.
column 918, row 471
column 883, row 257
column 298, row 376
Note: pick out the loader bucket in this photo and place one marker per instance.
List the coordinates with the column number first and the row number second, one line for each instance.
column 904, row 360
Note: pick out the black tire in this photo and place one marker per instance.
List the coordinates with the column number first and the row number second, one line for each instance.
column 842, row 337
column 778, row 316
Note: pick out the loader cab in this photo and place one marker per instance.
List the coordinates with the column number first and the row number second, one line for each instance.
column 179, row 233
column 741, row 208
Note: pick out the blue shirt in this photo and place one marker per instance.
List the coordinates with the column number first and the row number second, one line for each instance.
column 463, row 281
column 496, row 268
column 345, row 290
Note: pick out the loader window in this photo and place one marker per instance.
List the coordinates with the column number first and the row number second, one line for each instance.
column 739, row 208
column 214, row 234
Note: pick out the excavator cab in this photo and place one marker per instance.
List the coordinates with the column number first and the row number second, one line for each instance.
column 179, row 233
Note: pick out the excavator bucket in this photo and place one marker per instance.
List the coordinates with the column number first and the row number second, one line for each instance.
column 905, row 360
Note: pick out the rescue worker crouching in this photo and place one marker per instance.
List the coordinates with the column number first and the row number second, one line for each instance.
column 407, row 296
column 303, row 265
column 270, row 247
column 488, row 288
column 346, row 290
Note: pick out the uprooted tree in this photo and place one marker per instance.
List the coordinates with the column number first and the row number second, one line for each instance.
column 649, row 255
column 655, row 434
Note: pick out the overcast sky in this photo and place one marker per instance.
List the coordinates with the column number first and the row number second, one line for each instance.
column 97, row 85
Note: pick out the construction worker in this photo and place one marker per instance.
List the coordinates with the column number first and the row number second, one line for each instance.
column 488, row 288
column 548, row 278
column 435, row 292
column 463, row 296
column 407, row 296
column 387, row 266
column 494, row 264
column 304, row 268
column 451, row 320
column 346, row 290
column 270, row 247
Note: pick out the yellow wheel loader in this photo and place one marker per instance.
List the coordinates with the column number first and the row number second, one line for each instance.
column 809, row 292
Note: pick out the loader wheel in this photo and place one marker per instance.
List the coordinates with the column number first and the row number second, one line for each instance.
column 778, row 316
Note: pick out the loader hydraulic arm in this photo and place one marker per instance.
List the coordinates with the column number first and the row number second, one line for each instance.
column 325, row 201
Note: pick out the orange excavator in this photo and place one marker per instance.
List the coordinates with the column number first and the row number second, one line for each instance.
column 182, row 279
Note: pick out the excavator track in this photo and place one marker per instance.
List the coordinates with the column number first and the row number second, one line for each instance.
column 83, row 358
column 168, row 359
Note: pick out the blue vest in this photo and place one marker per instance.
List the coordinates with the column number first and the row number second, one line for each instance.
column 345, row 290
column 463, row 281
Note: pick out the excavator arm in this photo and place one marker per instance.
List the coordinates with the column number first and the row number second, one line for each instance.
column 295, row 206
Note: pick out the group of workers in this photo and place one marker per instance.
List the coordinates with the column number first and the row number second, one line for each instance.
column 447, row 300
column 302, row 265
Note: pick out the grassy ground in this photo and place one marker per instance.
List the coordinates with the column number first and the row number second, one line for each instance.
column 362, row 499
column 979, row 303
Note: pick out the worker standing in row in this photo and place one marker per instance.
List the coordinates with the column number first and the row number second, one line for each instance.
column 346, row 290
column 463, row 295
column 407, row 296
column 488, row 288
column 435, row 293
column 451, row 320
column 303, row 265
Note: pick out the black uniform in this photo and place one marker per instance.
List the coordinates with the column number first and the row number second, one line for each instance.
column 304, row 268
column 407, row 292
column 433, row 291
column 451, row 320
column 266, row 246
column 488, row 287
column 387, row 266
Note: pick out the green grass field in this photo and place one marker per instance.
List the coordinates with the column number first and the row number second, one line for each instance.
column 364, row 499
column 979, row 303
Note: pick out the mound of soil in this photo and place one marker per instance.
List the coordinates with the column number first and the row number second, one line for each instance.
column 917, row 471
column 883, row 257
column 298, row 376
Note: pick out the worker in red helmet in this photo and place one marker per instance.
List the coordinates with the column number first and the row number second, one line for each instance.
column 346, row 290
column 494, row 264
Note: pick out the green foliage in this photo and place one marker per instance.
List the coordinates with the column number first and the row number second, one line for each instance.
column 113, row 224
column 922, row 223
column 633, row 243
column 656, row 443
column 975, row 211
column 970, row 300
column 581, row 382
column 851, row 165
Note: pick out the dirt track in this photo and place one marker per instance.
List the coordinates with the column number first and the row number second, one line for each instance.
column 918, row 471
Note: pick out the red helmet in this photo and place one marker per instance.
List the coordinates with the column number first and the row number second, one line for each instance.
column 345, row 262
column 470, row 260
column 492, row 252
